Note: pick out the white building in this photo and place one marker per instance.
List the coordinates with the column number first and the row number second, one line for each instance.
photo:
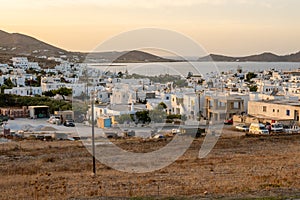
column 23, row 63
column 160, row 98
column 34, row 65
column 121, row 96
column 24, row 91
column 191, row 105
column 177, row 103
column 51, row 83
column 20, row 62
column 17, row 80
column 3, row 66
column 267, row 87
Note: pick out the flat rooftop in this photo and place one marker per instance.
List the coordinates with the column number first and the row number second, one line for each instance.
column 281, row 102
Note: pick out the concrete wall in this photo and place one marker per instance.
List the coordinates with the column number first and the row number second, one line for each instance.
column 279, row 111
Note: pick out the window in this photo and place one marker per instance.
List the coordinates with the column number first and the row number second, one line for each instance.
column 273, row 110
column 288, row 112
column 264, row 108
column 236, row 105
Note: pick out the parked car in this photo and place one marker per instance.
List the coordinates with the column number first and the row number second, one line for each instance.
column 175, row 131
column 276, row 127
column 128, row 133
column 242, row 127
column 292, row 129
column 258, row 128
column 111, row 135
column 40, row 137
column 158, row 136
column 69, row 123
column 228, row 121
column 54, row 120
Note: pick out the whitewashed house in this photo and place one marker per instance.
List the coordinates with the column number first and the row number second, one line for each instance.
column 23, row 63
column 24, row 91
column 20, row 62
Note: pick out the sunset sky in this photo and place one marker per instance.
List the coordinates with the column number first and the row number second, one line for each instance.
column 230, row 27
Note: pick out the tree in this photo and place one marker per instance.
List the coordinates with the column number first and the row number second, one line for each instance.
column 162, row 105
column 31, row 71
column 63, row 91
column 183, row 117
column 253, row 88
column 63, row 80
column 38, row 81
column 143, row 116
column 50, row 93
column 8, row 100
column 157, row 115
column 3, row 87
column 9, row 83
column 126, row 118
column 43, row 72
column 250, row 76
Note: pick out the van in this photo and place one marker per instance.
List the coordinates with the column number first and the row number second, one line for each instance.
column 258, row 128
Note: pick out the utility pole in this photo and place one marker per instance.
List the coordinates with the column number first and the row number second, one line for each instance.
column 199, row 105
column 93, row 133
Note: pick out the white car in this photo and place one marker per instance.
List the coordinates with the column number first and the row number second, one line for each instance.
column 242, row 127
column 54, row 120
column 293, row 129
column 175, row 131
column 276, row 127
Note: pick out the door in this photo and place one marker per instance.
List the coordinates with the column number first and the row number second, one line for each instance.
column 296, row 115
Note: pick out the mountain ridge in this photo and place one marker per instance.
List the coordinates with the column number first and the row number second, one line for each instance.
column 24, row 45
column 263, row 57
column 18, row 43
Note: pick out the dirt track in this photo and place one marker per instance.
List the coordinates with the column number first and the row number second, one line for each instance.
column 237, row 167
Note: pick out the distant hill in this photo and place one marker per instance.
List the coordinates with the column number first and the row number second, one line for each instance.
column 125, row 57
column 17, row 43
column 140, row 56
column 264, row 57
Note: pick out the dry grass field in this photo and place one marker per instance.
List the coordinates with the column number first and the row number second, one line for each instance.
column 237, row 168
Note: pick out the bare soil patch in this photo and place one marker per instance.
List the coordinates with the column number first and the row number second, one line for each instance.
column 238, row 167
